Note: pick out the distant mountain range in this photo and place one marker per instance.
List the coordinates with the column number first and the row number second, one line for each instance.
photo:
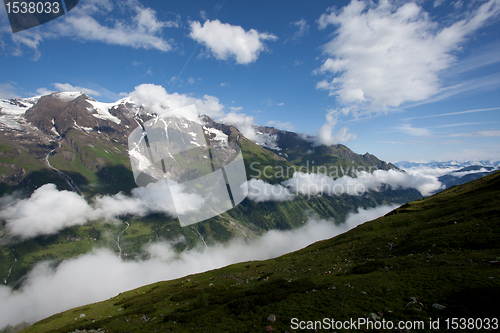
column 453, row 172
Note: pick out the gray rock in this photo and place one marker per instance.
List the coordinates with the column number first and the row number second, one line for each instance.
column 438, row 306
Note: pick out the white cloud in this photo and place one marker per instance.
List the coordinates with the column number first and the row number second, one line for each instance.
column 438, row 3
column 70, row 88
column 321, row 184
column 46, row 212
column 142, row 29
column 49, row 210
column 157, row 99
column 372, row 55
column 225, row 40
column 326, row 136
column 101, row 274
column 235, row 108
column 430, row 171
column 303, row 28
column 303, row 183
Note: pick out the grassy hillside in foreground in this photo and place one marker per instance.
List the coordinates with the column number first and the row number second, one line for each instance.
column 435, row 250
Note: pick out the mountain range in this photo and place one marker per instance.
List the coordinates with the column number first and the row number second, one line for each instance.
column 81, row 146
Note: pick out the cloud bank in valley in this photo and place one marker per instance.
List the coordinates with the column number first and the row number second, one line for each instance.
column 49, row 210
column 101, row 274
column 321, row 184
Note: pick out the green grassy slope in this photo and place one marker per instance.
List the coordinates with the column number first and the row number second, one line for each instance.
column 434, row 250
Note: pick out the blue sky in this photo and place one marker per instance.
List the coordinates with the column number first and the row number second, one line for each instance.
column 403, row 80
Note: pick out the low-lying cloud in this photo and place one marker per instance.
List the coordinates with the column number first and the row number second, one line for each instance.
column 100, row 274
column 302, row 183
column 49, row 210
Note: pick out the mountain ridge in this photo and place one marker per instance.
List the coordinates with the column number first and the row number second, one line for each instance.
column 46, row 121
column 95, row 160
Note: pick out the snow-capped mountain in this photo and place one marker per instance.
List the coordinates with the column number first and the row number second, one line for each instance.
column 78, row 143
column 71, row 131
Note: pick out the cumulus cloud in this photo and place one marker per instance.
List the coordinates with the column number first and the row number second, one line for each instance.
column 28, row 39
column 430, row 170
column 372, row 54
column 49, row 210
column 101, row 274
column 45, row 212
column 225, row 40
column 326, row 136
column 157, row 99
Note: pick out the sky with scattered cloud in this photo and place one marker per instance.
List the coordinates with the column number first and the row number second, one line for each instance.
column 403, row 80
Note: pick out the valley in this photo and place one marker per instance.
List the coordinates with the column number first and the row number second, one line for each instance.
column 431, row 258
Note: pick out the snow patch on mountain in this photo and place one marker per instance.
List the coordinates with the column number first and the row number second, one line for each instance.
column 219, row 135
column 68, row 95
column 17, row 107
column 103, row 110
column 12, row 110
